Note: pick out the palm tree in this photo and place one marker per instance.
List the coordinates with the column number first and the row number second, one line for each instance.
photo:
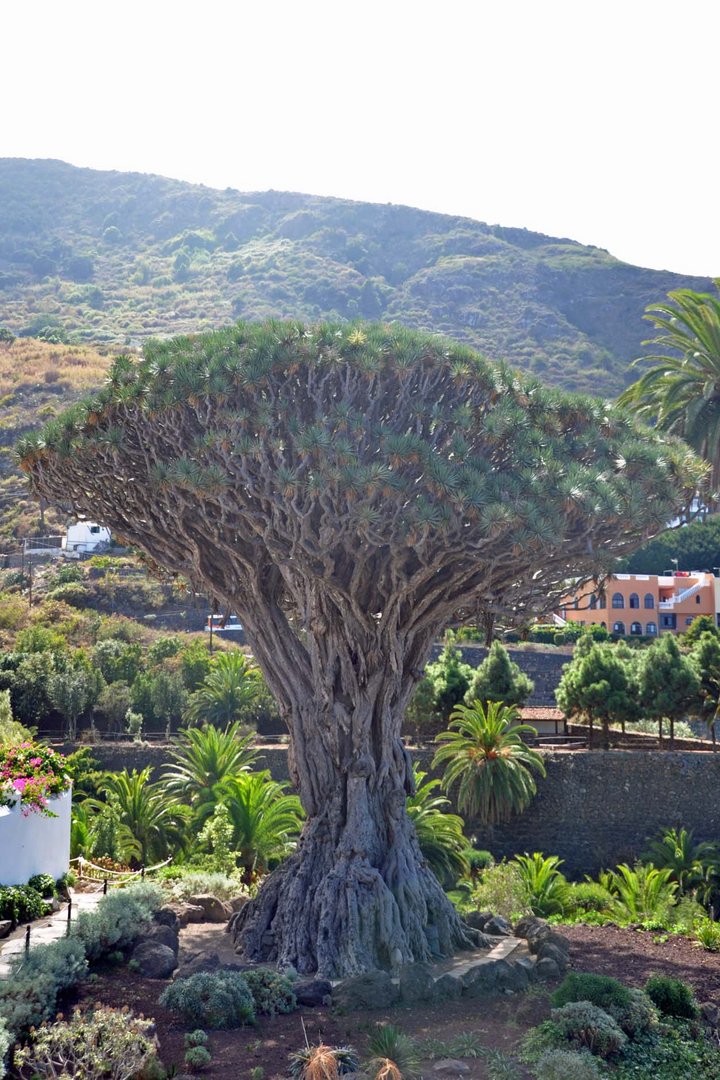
column 228, row 690
column 681, row 391
column 266, row 821
column 151, row 824
column 203, row 758
column 484, row 754
column 439, row 834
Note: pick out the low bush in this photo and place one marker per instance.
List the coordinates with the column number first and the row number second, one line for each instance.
column 587, row 896
column 5, row 1044
column 568, row 1065
column 218, row 1000
column 272, row 993
column 641, row 894
column 21, row 903
column 599, row 990
column 195, row 1038
column 673, row 997
column 501, row 889
column 389, row 1043
column 675, row 1052
column 198, row 883
column 323, row 1061
column 100, row 1044
column 707, row 935
column 38, row 979
column 545, row 884
column 43, row 884
column 197, row 1058
column 119, row 919
column 585, row 1025
column 638, row 1016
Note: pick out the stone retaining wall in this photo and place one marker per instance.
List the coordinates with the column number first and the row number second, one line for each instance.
column 594, row 809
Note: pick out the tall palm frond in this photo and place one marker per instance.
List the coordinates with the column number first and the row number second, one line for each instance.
column 202, row 760
column 151, row 824
column 266, row 820
column 439, row 833
column 229, row 688
column 484, row 754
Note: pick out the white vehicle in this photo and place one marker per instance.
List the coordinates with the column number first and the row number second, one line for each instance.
column 221, row 624
column 85, row 538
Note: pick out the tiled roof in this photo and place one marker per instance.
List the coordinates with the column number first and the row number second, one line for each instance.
column 541, row 712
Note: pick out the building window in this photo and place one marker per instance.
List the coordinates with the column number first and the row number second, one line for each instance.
column 634, row 600
column 668, row 622
column 619, row 628
column 618, row 600
column 602, row 602
column 635, row 628
column 651, row 629
column 576, row 603
column 593, row 602
column 698, row 598
column 688, row 620
column 604, row 625
column 649, row 600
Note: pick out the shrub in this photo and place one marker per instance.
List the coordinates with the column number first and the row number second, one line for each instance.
column 587, row 896
column 538, row 1040
column 119, row 919
column 197, row 883
column 5, row 1044
column 197, row 1058
column 707, row 935
column 567, row 1065
column 30, row 996
column 673, row 997
column 323, row 1061
column 195, row 1038
column 43, row 884
column 641, row 894
column 272, row 993
column 218, row 1000
column 546, row 886
column 101, row 1044
column 389, row 1043
column 21, row 903
column 585, row 1025
column 502, row 891
column 638, row 1016
column 599, row 990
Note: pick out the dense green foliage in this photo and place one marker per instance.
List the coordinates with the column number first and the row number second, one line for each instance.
column 695, row 546
column 218, row 1000
column 439, row 833
column 572, row 314
column 499, row 679
column 673, row 997
column 484, row 755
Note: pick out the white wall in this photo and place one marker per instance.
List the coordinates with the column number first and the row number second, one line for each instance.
column 35, row 844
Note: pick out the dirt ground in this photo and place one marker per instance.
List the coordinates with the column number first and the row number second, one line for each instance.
column 629, row 955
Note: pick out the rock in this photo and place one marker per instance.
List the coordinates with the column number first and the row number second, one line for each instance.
column 447, row 987
column 451, row 1067
column 168, row 916
column 550, row 951
column 162, row 935
column 480, row 979
column 547, row 969
column 511, row 977
column 548, row 937
column 214, row 910
column 312, row 992
column 191, row 965
column 477, row 919
column 54, row 904
column 238, row 903
column 416, row 982
column 190, row 913
column 527, row 924
column 155, row 961
column 5, row 927
column 373, row 990
column 528, row 964
column 710, row 1013
column 498, row 927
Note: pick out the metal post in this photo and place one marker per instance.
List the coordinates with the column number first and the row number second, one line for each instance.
column 142, row 872
column 69, row 914
column 27, row 940
column 105, row 884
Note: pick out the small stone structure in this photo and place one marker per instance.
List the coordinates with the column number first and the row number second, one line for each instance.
column 32, row 843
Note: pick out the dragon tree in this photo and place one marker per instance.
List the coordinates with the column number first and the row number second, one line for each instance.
column 349, row 491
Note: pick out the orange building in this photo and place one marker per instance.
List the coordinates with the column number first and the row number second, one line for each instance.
column 645, row 604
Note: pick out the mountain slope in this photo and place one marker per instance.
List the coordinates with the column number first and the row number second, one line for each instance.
column 112, row 258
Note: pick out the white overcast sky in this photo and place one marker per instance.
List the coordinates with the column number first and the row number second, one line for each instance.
column 595, row 121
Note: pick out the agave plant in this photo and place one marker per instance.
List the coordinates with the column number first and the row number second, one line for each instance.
column 323, row 1062
column 394, row 1055
column 439, row 834
column 484, row 754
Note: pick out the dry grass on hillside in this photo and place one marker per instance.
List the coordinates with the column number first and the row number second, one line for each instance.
column 32, row 367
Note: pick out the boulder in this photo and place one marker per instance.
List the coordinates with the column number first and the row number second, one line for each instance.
column 525, row 926
column 451, row 1067
column 168, row 916
column 373, row 990
column 190, row 913
column 480, row 980
column 510, row 977
column 155, row 961
column 312, row 992
column 710, row 1013
column 162, row 935
column 498, row 927
column 547, row 969
column 192, row 964
column 548, row 950
column 238, row 903
column 214, row 910
column 447, row 987
column 528, row 964
column 416, row 982
column 548, row 936
column 478, row 919
column 5, row 927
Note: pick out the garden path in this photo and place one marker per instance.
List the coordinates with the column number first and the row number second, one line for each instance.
column 43, row 931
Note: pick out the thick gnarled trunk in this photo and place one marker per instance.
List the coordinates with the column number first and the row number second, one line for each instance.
column 356, row 894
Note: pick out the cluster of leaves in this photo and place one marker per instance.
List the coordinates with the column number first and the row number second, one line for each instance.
column 22, row 903
column 31, row 774
column 222, row 999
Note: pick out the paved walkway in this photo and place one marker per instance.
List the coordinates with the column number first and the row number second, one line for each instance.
column 42, row 931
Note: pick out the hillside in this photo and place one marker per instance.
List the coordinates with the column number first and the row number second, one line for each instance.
column 111, row 258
